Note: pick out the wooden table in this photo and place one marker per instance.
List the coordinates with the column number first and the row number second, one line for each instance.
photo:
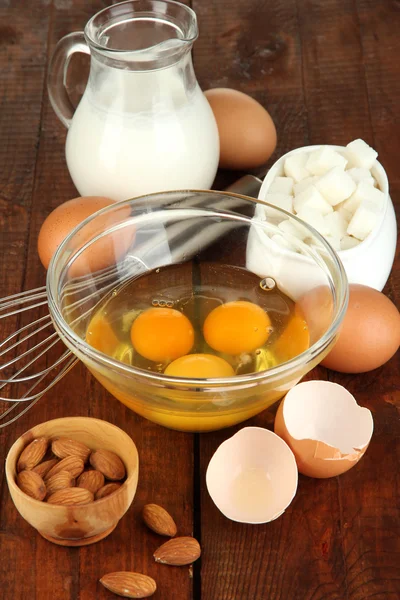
column 329, row 72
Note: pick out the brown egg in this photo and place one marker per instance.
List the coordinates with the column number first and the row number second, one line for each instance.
column 327, row 431
column 102, row 253
column 247, row 133
column 370, row 333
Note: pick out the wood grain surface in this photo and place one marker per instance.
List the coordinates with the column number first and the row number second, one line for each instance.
column 328, row 72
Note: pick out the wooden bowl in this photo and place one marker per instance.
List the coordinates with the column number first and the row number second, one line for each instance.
column 83, row 524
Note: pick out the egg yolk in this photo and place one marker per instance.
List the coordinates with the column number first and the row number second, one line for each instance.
column 199, row 366
column 237, row 327
column 162, row 334
column 295, row 338
column 100, row 335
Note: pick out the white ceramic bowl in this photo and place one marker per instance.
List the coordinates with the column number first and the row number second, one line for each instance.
column 371, row 261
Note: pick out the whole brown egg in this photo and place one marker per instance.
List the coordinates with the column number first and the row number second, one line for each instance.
column 101, row 253
column 370, row 332
column 247, row 134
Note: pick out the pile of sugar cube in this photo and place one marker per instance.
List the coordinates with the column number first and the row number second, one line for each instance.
column 334, row 192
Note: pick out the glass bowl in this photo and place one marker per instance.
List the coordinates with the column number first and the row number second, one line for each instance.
column 195, row 229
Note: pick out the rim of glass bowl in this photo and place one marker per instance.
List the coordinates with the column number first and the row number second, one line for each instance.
column 341, row 294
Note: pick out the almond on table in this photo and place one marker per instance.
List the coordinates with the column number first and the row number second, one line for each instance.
column 129, row 584
column 178, row 552
column 159, row 520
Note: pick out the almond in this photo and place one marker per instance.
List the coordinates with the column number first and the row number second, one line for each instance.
column 178, row 551
column 59, row 481
column 32, row 454
column 63, row 447
column 159, row 520
column 72, row 495
column 129, row 585
column 44, row 467
column 107, row 490
column 31, row 484
column 108, row 463
column 91, row 480
column 73, row 464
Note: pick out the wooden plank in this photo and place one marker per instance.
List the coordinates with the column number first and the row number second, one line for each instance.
column 379, row 23
column 23, row 45
column 254, row 47
column 69, row 574
column 370, row 508
column 22, row 72
column 333, row 72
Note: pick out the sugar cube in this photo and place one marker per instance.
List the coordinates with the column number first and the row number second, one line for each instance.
column 293, row 229
column 337, row 224
column 361, row 174
column 282, row 185
column 280, row 200
column 322, row 160
column 363, row 220
column 294, row 166
column 352, row 203
column 348, row 241
column 311, row 198
column 360, row 154
column 342, row 210
column 364, row 191
column 370, row 193
column 314, row 218
column 333, row 241
column 302, row 185
column 336, row 185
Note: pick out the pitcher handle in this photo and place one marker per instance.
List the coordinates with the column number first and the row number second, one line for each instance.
column 56, row 79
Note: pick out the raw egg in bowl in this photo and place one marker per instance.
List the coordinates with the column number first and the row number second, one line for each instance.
column 179, row 328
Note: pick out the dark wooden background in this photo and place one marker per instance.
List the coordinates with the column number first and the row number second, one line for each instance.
column 328, row 71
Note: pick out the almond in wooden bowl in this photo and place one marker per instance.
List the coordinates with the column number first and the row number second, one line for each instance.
column 80, row 524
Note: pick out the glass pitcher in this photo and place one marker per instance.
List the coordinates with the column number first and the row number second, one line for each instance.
column 143, row 125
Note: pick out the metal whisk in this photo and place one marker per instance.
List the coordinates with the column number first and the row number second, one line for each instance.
column 23, row 381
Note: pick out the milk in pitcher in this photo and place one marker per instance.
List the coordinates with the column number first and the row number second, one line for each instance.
column 135, row 133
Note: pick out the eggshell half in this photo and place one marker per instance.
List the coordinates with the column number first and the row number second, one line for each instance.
column 252, row 477
column 325, row 428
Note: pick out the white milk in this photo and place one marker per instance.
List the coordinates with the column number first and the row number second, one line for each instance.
column 138, row 133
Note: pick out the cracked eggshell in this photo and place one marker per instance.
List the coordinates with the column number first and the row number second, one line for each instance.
column 327, row 431
column 252, row 477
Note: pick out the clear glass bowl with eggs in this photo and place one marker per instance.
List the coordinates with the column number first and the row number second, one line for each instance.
column 156, row 297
